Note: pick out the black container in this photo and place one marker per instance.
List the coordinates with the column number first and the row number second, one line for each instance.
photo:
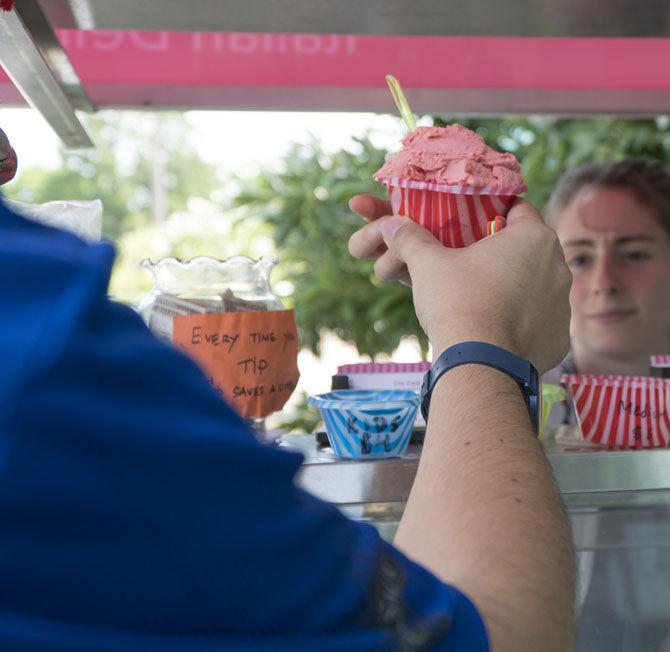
column 660, row 372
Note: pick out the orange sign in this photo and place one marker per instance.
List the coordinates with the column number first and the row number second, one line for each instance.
column 250, row 357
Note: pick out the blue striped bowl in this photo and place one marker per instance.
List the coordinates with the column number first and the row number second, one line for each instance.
column 365, row 423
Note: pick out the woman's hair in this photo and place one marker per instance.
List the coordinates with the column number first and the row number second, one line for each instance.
column 647, row 180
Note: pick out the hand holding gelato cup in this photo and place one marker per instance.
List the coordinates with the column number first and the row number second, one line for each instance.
column 448, row 180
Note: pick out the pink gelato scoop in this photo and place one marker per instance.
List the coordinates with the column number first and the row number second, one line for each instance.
column 451, row 155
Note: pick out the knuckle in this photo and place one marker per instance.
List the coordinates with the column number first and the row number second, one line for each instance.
column 382, row 270
column 363, row 242
column 402, row 237
column 352, row 245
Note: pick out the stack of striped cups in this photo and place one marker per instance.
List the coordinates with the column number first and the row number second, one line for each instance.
column 621, row 411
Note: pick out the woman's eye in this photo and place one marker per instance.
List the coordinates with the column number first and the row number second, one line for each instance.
column 635, row 256
column 581, row 260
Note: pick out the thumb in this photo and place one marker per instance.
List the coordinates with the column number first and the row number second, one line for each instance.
column 405, row 239
column 523, row 211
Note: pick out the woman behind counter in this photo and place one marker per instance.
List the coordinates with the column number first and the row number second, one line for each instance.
column 613, row 221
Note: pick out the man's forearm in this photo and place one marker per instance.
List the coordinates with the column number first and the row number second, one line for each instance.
column 485, row 515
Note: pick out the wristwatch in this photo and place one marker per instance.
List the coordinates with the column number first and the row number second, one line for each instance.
column 493, row 356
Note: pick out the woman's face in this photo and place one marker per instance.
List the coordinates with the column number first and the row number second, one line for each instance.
column 619, row 255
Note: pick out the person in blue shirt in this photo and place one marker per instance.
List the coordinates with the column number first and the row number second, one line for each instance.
column 139, row 513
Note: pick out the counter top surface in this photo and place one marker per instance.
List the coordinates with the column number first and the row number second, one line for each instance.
column 578, row 470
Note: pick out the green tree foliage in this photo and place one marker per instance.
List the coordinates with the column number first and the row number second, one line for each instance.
column 122, row 170
column 301, row 203
column 304, row 200
column 305, row 203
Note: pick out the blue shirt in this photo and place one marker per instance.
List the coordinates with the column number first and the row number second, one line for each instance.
column 139, row 513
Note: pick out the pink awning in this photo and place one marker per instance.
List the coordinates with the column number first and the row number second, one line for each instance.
column 303, row 71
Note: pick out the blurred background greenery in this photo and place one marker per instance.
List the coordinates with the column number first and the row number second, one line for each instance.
column 161, row 199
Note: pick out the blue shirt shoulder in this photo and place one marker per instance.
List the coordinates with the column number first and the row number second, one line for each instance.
column 138, row 512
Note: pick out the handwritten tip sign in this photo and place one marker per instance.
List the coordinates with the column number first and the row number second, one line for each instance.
column 250, row 357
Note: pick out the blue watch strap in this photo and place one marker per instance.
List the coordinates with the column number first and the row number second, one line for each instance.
column 489, row 355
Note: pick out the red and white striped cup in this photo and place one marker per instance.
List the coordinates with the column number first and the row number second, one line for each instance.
column 457, row 216
column 621, row 411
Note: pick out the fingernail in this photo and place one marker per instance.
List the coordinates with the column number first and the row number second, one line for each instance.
column 390, row 226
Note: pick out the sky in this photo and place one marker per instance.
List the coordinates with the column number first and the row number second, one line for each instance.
column 234, row 140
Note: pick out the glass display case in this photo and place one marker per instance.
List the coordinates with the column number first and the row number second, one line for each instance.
column 618, row 502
